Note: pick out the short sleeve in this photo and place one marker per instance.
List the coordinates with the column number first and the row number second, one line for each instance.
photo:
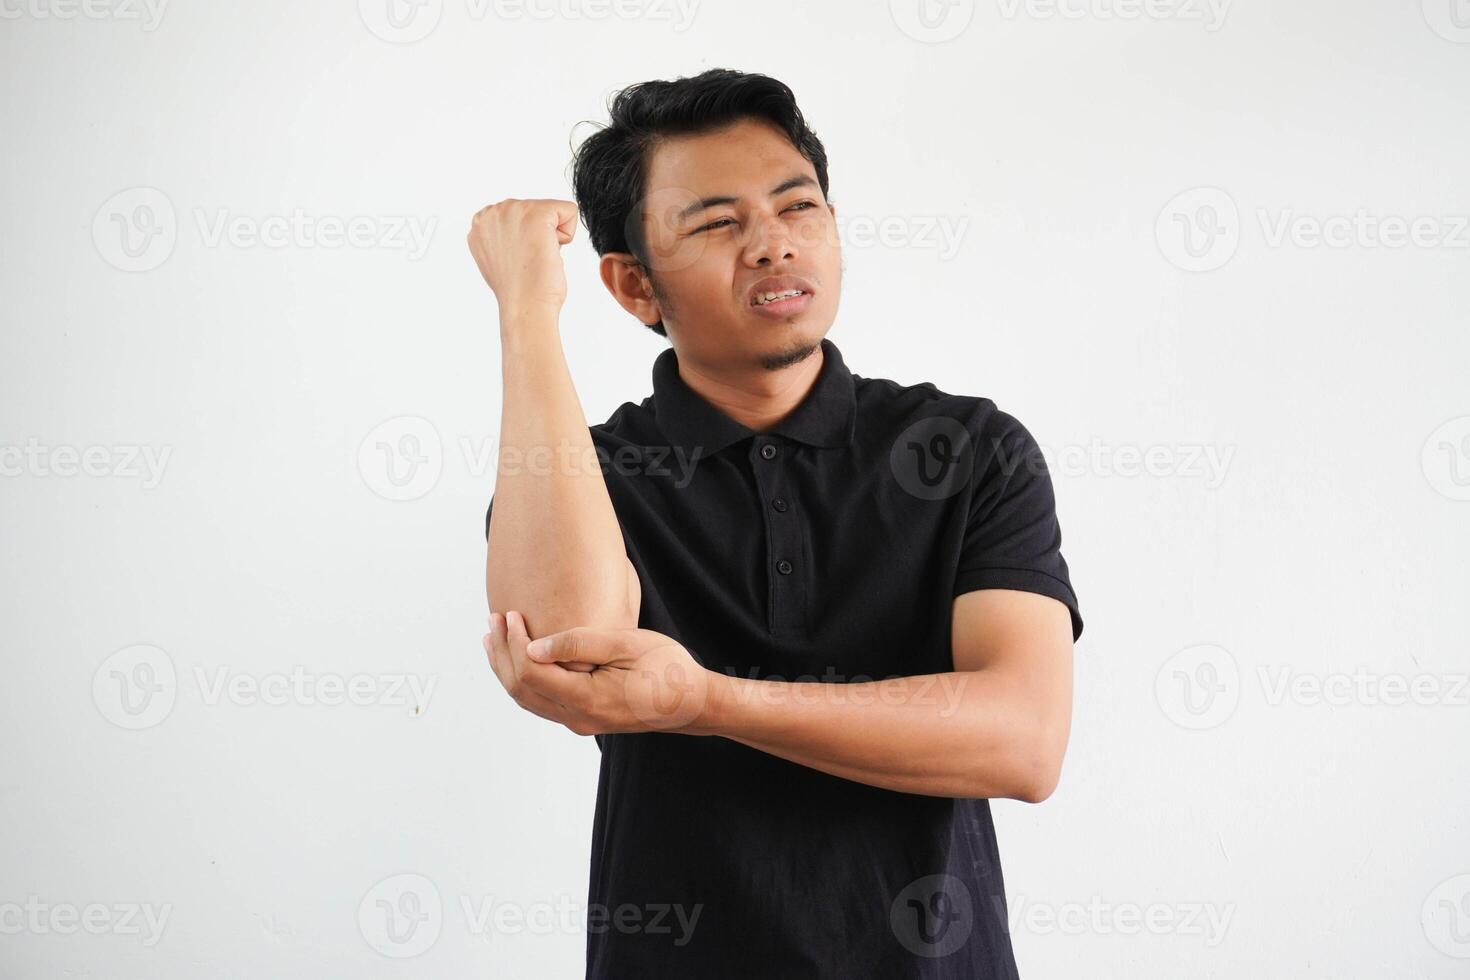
column 488, row 508
column 1012, row 538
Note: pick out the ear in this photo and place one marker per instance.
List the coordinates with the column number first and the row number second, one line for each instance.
column 624, row 277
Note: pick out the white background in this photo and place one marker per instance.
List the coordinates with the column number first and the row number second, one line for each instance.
column 1328, row 831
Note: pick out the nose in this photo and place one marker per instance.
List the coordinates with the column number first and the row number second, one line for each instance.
column 770, row 241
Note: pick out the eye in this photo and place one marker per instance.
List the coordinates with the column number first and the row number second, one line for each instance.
column 801, row 204
column 714, row 224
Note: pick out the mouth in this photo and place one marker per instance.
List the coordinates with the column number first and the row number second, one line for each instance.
column 780, row 296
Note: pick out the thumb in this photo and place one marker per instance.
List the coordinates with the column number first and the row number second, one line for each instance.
column 580, row 644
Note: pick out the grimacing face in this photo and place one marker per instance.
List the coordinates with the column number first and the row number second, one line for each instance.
column 714, row 229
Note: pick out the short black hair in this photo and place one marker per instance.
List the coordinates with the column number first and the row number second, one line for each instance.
column 610, row 166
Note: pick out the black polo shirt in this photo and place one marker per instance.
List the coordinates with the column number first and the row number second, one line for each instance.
column 828, row 550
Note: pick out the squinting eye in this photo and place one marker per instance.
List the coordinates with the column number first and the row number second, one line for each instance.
column 799, row 205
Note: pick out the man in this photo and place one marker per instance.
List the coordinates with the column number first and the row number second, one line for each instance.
column 814, row 621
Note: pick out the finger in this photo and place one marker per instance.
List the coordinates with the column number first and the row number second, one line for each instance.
column 566, row 687
column 581, row 667
column 501, row 662
column 496, row 650
column 578, row 645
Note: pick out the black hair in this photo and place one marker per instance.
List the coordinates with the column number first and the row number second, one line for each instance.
column 610, row 166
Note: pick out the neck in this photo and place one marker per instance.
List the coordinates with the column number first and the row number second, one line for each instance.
column 761, row 397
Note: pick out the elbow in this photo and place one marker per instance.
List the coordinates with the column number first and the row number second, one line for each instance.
column 544, row 617
column 1037, row 783
column 551, row 606
column 1038, row 767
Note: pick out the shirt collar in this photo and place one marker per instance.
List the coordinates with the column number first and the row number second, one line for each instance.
column 824, row 418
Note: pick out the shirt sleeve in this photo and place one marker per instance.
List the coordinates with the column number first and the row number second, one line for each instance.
column 1012, row 537
column 490, row 506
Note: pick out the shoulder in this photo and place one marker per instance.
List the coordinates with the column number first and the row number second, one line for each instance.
column 629, row 424
column 892, row 403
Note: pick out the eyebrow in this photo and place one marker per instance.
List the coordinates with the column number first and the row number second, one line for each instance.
column 800, row 180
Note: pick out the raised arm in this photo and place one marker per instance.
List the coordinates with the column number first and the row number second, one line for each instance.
column 555, row 551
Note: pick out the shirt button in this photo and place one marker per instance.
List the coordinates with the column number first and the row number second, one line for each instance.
column 783, row 566
column 768, row 451
column 780, row 504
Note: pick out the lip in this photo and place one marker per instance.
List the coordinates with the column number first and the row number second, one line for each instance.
column 777, row 284
column 783, row 307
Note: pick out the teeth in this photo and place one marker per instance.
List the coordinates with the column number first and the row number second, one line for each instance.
column 764, row 298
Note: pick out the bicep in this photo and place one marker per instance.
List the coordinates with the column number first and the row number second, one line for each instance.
column 1024, row 637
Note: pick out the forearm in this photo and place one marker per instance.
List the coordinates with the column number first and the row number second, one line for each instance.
column 960, row 734
column 555, row 550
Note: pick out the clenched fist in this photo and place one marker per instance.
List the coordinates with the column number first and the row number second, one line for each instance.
column 517, row 245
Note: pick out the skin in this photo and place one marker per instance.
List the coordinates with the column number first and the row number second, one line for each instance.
column 752, row 368
column 995, row 726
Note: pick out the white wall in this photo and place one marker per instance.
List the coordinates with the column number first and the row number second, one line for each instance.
column 1328, row 544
